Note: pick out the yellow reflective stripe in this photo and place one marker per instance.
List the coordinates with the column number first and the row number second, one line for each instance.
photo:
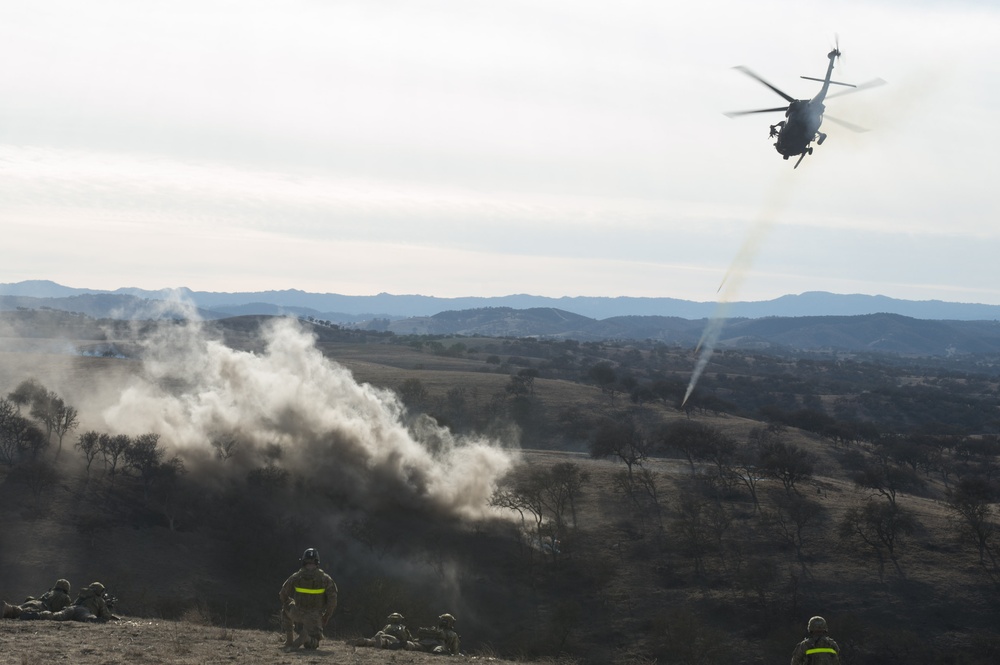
column 820, row 650
column 301, row 590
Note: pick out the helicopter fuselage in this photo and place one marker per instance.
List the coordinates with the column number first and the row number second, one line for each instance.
column 802, row 122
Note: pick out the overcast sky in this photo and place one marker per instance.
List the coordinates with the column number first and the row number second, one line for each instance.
column 464, row 148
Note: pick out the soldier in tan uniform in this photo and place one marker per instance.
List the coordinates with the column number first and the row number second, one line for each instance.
column 393, row 636
column 53, row 600
column 439, row 639
column 817, row 649
column 89, row 606
column 308, row 599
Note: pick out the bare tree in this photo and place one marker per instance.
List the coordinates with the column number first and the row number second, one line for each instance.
column 971, row 500
column 19, row 437
column 882, row 527
column 45, row 408
column 89, row 445
column 746, row 462
column 884, row 477
column 143, row 456
column 792, row 515
column 622, row 437
column 25, row 393
column 786, row 462
column 66, row 420
column 690, row 438
column 565, row 485
column 113, row 452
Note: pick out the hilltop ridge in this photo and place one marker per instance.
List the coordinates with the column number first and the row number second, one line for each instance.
column 347, row 308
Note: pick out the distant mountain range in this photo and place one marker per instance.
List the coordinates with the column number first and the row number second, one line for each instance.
column 351, row 309
column 811, row 321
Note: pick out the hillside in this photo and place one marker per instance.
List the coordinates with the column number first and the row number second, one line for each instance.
column 662, row 549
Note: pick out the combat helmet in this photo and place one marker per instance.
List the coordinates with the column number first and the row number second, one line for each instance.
column 311, row 554
column 62, row 585
column 446, row 620
column 97, row 588
column 395, row 617
column 817, row 625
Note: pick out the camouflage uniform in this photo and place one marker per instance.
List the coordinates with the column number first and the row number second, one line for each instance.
column 440, row 639
column 393, row 636
column 89, row 606
column 817, row 649
column 308, row 599
column 53, row 600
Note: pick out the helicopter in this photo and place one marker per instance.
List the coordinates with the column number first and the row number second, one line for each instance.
column 803, row 117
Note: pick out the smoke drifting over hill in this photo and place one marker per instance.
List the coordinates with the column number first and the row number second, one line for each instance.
column 291, row 408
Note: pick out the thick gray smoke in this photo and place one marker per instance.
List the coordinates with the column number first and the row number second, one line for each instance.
column 291, row 407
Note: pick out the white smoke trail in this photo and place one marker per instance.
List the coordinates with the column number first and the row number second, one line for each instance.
column 733, row 279
column 290, row 406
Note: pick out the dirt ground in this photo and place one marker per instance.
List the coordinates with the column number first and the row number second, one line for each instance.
column 153, row 642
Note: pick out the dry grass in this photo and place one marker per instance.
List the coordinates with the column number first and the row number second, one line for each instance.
column 179, row 643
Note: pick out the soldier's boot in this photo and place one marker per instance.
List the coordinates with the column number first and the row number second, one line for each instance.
column 11, row 611
column 289, row 638
column 30, row 616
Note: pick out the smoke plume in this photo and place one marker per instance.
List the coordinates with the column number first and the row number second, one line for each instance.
column 289, row 406
column 735, row 275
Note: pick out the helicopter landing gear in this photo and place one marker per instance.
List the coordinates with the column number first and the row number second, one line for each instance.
column 809, row 150
column 822, row 137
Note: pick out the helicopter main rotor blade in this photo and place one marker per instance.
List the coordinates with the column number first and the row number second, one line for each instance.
column 757, row 78
column 733, row 114
column 844, row 123
column 874, row 83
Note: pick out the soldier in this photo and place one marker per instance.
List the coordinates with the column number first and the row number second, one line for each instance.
column 393, row 636
column 90, row 606
column 308, row 599
column 817, row 649
column 53, row 600
column 440, row 639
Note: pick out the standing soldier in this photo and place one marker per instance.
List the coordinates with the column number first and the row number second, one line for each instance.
column 308, row 599
column 817, row 649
